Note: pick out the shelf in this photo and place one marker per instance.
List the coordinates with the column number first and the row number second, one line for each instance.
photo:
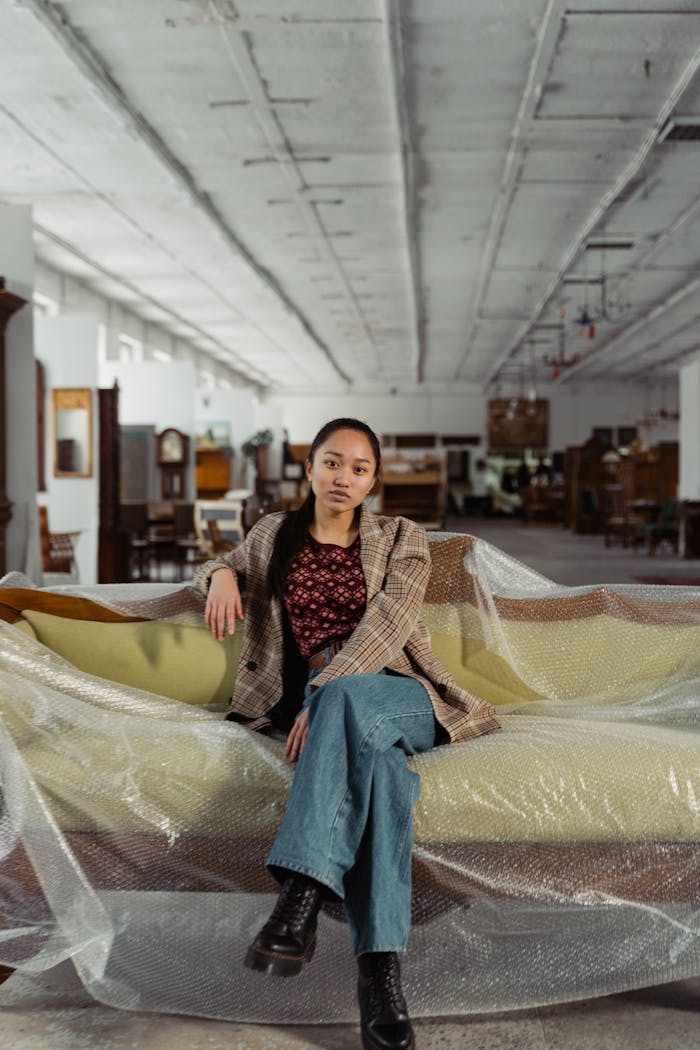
column 418, row 477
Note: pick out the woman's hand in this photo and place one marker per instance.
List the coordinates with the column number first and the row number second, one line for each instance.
column 224, row 605
column 297, row 736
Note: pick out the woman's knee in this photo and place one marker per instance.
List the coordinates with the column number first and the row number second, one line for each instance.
column 348, row 695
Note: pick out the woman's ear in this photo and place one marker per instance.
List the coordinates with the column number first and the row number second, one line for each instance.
column 307, row 469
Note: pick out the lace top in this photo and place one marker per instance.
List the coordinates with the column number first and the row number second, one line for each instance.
column 325, row 594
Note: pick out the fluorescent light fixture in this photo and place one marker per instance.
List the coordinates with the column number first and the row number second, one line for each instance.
column 684, row 129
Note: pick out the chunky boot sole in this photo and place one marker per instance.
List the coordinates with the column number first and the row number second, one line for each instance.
column 276, row 965
column 368, row 1042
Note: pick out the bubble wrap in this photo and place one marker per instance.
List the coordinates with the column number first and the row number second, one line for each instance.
column 555, row 860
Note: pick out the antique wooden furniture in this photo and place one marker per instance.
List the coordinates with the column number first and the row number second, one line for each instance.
column 618, row 518
column 172, row 455
column 665, row 528
column 57, row 548
column 227, row 515
column 416, row 488
column 212, row 473
column 648, row 477
column 113, row 542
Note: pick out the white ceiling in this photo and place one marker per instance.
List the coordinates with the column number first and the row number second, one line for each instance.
column 375, row 192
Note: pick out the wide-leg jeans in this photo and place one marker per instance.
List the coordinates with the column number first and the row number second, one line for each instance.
column 349, row 818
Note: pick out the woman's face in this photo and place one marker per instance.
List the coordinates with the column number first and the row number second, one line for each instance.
column 343, row 470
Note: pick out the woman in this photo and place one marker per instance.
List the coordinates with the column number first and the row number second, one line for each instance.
column 333, row 599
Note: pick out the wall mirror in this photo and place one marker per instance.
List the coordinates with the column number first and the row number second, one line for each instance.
column 72, row 433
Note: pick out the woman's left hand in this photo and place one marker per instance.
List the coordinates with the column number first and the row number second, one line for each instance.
column 297, row 736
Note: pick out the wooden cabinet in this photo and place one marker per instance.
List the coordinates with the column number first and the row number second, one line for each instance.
column 416, row 494
column 213, row 473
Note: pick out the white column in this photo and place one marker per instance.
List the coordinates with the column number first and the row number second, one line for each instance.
column 17, row 267
column 689, row 432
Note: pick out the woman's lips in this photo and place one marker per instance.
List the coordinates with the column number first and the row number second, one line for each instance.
column 337, row 494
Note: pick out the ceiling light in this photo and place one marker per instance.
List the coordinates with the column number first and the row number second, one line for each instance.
column 681, row 129
column 609, row 246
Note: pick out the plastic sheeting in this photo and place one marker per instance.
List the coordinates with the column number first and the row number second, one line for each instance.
column 557, row 859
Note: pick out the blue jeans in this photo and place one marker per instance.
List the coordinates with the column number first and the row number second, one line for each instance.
column 349, row 818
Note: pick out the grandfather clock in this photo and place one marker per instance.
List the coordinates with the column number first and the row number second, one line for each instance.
column 172, row 458
column 9, row 305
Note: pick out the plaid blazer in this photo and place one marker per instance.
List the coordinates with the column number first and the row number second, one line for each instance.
column 396, row 563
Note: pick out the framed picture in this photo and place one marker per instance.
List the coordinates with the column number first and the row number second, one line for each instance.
column 213, row 434
column 516, row 423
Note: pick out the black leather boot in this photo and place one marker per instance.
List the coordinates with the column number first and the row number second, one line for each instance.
column 288, row 938
column 383, row 1014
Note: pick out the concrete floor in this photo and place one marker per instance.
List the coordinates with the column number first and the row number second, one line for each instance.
column 575, row 560
column 50, row 1011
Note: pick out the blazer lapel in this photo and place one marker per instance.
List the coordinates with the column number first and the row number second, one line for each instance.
column 374, row 551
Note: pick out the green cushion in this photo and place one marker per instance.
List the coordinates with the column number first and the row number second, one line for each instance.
column 171, row 659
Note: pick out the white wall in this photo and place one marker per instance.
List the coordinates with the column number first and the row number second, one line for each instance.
column 17, row 267
column 304, row 414
column 67, row 347
column 573, row 412
column 157, row 393
column 689, row 478
column 238, row 407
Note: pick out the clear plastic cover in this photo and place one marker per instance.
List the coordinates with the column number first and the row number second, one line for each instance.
column 557, row 859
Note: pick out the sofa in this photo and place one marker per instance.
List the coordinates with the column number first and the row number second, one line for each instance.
column 554, row 860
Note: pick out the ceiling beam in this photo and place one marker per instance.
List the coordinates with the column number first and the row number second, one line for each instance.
column 592, row 222
column 401, row 100
column 240, row 49
column 689, row 288
column 545, row 48
column 90, row 64
column 660, row 359
column 242, row 370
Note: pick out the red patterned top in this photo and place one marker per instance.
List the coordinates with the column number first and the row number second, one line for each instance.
column 325, row 594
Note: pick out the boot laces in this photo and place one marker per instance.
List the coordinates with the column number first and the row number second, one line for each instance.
column 293, row 904
column 385, row 986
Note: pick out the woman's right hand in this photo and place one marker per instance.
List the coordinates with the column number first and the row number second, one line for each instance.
column 224, row 605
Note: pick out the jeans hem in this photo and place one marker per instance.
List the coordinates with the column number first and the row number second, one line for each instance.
column 304, row 869
column 381, row 948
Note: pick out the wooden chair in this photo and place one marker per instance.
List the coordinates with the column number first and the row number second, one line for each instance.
column 134, row 521
column 617, row 519
column 666, row 528
column 217, row 543
column 57, row 548
column 187, row 545
column 228, row 516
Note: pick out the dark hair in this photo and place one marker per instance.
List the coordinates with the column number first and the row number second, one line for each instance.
column 291, row 534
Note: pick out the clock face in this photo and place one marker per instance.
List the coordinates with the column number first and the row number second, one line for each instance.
column 171, row 449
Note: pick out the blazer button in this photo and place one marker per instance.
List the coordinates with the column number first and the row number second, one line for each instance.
column 441, row 688
column 251, row 665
